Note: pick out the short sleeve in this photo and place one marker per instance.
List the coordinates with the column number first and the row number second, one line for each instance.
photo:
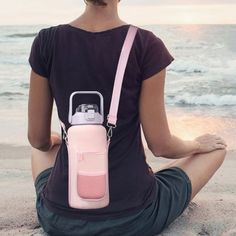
column 156, row 56
column 36, row 58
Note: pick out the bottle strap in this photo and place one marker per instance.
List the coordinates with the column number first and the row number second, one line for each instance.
column 112, row 116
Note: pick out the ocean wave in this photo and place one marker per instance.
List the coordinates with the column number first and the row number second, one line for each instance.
column 188, row 67
column 26, row 35
column 218, row 46
column 187, row 99
column 9, row 94
column 187, row 47
column 8, row 62
column 199, row 46
column 24, row 85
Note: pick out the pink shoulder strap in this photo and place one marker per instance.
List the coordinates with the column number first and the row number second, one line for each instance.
column 125, row 51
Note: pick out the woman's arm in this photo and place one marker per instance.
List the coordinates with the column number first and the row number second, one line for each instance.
column 40, row 106
column 155, row 126
column 178, row 148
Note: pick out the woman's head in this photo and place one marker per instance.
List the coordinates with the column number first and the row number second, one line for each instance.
column 98, row 2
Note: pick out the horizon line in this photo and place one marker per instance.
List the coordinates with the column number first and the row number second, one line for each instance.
column 11, row 24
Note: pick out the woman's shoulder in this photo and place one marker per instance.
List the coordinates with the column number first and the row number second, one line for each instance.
column 145, row 32
column 45, row 40
column 147, row 38
column 49, row 32
column 48, row 35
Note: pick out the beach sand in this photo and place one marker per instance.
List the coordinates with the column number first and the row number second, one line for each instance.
column 211, row 212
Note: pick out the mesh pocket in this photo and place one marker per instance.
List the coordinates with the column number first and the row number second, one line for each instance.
column 92, row 174
column 91, row 185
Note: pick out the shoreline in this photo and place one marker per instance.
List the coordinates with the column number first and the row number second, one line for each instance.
column 211, row 212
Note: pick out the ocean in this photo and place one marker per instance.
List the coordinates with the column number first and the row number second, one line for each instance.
column 200, row 89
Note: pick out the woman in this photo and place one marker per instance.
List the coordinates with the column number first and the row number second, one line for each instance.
column 83, row 55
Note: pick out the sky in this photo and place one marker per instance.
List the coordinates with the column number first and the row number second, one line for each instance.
column 140, row 12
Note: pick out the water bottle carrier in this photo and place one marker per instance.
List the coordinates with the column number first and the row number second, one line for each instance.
column 88, row 141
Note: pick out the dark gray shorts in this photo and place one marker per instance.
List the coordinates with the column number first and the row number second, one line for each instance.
column 172, row 197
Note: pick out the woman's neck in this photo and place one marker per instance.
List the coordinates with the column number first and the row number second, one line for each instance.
column 97, row 18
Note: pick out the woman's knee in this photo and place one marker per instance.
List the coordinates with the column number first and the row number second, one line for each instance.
column 42, row 160
column 220, row 156
column 52, row 152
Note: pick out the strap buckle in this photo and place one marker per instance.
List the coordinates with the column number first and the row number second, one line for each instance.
column 65, row 137
column 64, row 133
column 109, row 133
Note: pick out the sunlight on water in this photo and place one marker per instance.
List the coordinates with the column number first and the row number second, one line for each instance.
column 189, row 127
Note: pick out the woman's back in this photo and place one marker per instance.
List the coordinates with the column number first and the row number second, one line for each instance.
column 74, row 59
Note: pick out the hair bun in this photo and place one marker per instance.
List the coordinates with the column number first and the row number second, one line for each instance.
column 97, row 2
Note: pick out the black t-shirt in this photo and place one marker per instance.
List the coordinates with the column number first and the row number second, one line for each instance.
column 75, row 59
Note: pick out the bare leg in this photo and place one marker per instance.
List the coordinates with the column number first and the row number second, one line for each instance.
column 42, row 160
column 199, row 167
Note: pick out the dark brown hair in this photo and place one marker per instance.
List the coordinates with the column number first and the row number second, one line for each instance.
column 97, row 2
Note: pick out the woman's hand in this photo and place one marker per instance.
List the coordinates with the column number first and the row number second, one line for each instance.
column 210, row 142
column 55, row 139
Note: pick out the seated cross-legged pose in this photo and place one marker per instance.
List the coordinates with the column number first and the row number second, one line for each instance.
column 83, row 55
